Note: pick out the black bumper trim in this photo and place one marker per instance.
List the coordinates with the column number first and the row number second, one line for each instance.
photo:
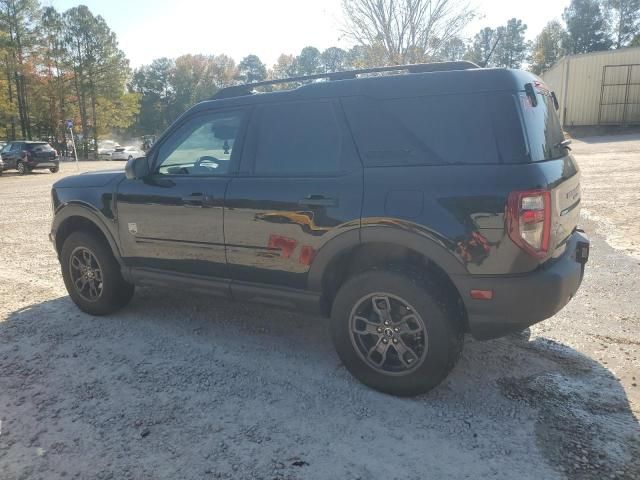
column 520, row 301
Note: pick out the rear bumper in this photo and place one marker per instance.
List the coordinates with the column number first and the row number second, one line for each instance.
column 49, row 163
column 520, row 301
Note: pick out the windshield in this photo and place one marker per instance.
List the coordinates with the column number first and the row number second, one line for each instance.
column 543, row 128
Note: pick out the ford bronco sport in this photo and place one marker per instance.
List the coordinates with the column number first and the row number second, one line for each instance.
column 409, row 208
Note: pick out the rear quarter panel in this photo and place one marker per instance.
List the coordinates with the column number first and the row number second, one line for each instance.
column 461, row 206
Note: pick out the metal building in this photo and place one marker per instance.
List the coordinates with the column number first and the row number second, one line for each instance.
column 598, row 88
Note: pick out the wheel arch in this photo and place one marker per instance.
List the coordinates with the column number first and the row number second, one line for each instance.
column 375, row 247
column 75, row 217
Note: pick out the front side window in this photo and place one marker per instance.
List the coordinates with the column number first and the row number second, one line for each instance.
column 298, row 138
column 16, row 147
column 202, row 146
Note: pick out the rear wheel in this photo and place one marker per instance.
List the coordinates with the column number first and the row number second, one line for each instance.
column 394, row 332
column 22, row 168
column 54, row 169
column 92, row 275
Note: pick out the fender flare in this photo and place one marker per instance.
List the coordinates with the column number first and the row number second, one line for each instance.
column 420, row 242
column 89, row 213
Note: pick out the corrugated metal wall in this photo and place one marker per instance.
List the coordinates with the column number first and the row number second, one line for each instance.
column 579, row 78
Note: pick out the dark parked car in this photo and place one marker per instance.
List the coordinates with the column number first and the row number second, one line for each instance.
column 26, row 156
column 409, row 208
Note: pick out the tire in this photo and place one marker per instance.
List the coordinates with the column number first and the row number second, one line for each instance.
column 54, row 169
column 113, row 291
column 433, row 357
column 22, row 168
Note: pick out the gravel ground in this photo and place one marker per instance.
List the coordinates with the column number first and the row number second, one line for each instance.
column 177, row 387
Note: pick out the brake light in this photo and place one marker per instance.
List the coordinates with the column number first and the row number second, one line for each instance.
column 529, row 220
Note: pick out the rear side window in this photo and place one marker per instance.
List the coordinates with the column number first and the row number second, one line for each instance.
column 39, row 147
column 298, row 138
column 543, row 128
column 437, row 130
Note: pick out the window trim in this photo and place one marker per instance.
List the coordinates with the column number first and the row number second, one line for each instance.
column 347, row 147
column 236, row 153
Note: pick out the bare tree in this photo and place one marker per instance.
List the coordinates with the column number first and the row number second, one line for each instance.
column 409, row 31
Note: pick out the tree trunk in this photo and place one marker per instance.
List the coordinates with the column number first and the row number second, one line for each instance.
column 60, row 88
column 79, row 83
column 23, row 125
column 94, row 115
column 10, row 92
column 21, row 90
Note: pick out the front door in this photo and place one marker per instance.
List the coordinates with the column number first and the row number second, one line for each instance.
column 172, row 221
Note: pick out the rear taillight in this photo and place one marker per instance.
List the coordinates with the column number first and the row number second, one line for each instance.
column 529, row 220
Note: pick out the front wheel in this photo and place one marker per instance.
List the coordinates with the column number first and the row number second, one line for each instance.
column 394, row 331
column 92, row 275
column 54, row 169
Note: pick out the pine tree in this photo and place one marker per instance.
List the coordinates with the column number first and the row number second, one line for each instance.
column 548, row 47
column 586, row 27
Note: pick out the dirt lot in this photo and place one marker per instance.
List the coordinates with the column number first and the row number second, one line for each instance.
column 177, row 386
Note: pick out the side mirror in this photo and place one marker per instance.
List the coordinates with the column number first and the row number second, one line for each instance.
column 136, row 168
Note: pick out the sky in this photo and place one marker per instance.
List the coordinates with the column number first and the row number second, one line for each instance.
column 148, row 29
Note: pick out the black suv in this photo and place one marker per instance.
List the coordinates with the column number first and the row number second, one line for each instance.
column 25, row 156
column 410, row 208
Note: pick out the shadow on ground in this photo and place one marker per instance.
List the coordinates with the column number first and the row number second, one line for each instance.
column 179, row 386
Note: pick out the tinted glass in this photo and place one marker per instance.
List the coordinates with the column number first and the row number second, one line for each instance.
column 39, row 147
column 436, row 130
column 543, row 128
column 202, row 146
column 298, row 138
column 15, row 147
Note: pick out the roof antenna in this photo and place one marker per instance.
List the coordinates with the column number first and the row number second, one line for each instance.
column 485, row 62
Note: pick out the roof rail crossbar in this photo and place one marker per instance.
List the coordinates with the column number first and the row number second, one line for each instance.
column 248, row 88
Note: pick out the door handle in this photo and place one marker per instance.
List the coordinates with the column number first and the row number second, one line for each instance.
column 200, row 200
column 318, row 201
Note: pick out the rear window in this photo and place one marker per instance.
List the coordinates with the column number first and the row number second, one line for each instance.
column 543, row 128
column 438, row 130
column 40, row 147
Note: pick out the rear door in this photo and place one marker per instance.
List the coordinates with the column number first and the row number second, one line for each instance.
column 300, row 185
